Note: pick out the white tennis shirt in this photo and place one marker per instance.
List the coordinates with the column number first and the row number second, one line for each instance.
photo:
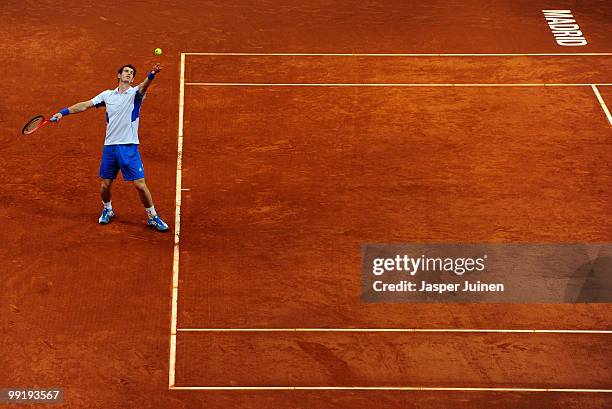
column 122, row 114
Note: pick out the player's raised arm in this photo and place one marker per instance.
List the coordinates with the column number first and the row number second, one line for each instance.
column 143, row 86
column 74, row 109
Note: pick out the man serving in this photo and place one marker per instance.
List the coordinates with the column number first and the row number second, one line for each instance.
column 121, row 143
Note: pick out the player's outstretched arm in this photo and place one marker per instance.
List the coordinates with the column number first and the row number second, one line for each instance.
column 143, row 86
column 74, row 109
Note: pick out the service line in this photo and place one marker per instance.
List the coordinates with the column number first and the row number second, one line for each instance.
column 439, row 330
column 404, row 54
column 315, row 84
column 384, row 388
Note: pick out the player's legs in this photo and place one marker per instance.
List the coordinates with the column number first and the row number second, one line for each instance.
column 105, row 190
column 143, row 193
column 133, row 170
column 105, row 193
column 145, row 197
column 109, row 168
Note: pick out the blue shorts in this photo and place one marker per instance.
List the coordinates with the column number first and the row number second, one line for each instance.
column 121, row 157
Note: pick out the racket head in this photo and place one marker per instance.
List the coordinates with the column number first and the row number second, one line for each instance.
column 33, row 124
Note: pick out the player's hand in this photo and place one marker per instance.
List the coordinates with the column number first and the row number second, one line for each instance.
column 157, row 68
column 56, row 117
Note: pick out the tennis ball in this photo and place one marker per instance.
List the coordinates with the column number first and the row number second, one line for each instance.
column 158, row 51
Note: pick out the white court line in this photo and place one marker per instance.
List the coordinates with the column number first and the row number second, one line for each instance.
column 603, row 103
column 177, row 229
column 259, row 84
column 382, row 388
column 439, row 330
column 404, row 54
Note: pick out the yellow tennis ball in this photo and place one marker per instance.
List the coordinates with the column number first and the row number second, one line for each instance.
column 158, row 51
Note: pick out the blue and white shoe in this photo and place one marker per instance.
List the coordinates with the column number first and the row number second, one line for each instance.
column 157, row 223
column 106, row 216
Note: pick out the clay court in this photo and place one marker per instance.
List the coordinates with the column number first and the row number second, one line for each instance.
column 279, row 138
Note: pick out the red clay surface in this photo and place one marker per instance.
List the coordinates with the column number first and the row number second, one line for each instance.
column 296, row 173
column 286, row 185
column 399, row 69
column 395, row 360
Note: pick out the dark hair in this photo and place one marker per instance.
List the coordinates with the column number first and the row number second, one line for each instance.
column 120, row 70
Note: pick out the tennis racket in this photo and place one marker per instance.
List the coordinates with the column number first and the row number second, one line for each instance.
column 35, row 124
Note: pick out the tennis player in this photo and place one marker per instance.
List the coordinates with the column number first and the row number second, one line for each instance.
column 121, row 143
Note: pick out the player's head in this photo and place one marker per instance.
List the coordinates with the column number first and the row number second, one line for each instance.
column 126, row 73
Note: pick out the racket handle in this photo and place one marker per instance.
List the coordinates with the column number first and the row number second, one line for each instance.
column 53, row 119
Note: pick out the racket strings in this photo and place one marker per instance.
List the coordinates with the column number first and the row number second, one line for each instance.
column 33, row 124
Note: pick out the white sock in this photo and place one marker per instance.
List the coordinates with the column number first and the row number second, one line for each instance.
column 108, row 205
column 151, row 211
